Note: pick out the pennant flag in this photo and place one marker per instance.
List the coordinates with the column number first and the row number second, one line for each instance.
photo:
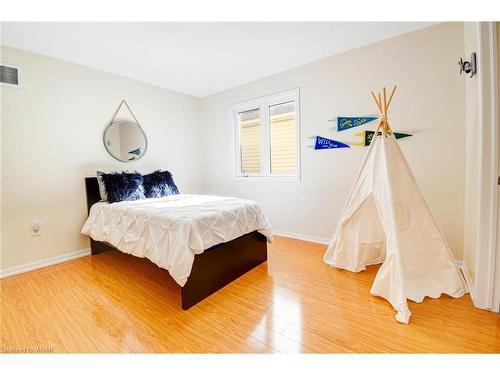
column 137, row 151
column 402, row 135
column 368, row 136
column 325, row 143
column 344, row 123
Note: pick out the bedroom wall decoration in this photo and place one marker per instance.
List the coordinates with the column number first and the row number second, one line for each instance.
column 123, row 139
column 344, row 123
column 348, row 123
column 322, row 143
column 367, row 136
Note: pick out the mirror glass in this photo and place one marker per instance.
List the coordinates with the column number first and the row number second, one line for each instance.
column 125, row 141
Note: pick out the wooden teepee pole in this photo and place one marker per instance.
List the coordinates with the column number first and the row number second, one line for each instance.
column 388, row 127
column 390, row 97
column 376, row 102
column 383, row 104
column 379, row 106
column 386, row 130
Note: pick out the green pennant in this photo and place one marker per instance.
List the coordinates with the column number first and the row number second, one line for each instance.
column 368, row 136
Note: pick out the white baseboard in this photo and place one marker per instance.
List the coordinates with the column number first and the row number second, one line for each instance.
column 465, row 271
column 302, row 237
column 43, row 263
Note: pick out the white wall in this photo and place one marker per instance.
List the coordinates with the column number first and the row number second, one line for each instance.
column 52, row 138
column 430, row 102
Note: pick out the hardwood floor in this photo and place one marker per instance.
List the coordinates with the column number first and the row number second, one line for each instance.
column 114, row 303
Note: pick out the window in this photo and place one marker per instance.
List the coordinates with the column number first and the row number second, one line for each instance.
column 250, row 144
column 267, row 136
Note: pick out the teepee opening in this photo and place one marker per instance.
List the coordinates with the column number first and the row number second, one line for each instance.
column 386, row 220
column 365, row 226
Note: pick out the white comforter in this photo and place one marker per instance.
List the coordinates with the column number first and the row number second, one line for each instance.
column 169, row 231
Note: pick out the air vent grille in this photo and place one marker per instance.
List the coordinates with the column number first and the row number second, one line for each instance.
column 9, row 75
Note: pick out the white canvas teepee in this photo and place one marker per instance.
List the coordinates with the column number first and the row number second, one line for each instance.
column 386, row 220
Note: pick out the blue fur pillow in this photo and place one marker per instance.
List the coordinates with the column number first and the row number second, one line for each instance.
column 159, row 184
column 123, row 186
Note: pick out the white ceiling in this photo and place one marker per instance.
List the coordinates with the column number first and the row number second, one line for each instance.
column 196, row 58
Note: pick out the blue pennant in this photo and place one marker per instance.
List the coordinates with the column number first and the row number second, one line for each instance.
column 137, row 151
column 325, row 143
column 344, row 123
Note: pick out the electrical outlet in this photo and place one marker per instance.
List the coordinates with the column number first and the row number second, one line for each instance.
column 36, row 228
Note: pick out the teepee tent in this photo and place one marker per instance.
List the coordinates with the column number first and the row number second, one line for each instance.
column 386, row 220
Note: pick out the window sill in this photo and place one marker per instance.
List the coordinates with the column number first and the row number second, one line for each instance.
column 268, row 178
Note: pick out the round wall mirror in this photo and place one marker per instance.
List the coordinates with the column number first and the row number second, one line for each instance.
column 125, row 140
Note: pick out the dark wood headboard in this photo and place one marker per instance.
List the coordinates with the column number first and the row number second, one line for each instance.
column 92, row 191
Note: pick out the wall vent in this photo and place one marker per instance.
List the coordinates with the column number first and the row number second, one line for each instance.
column 10, row 75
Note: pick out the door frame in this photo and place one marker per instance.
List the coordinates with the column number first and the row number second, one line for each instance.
column 485, row 270
column 496, row 286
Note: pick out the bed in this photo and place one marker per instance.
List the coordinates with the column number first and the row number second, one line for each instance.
column 205, row 242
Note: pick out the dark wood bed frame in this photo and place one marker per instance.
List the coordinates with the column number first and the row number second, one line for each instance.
column 213, row 269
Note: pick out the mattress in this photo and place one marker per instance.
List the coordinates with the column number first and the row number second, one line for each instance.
column 171, row 230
